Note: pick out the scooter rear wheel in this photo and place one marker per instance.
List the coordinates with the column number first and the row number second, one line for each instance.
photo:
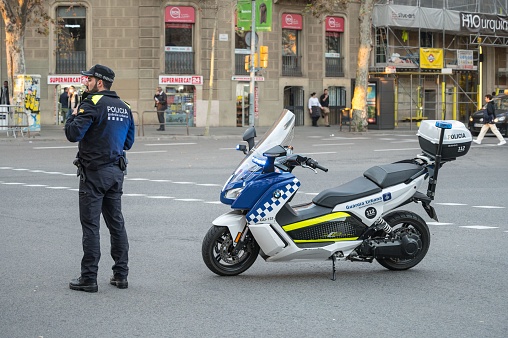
column 407, row 221
column 217, row 253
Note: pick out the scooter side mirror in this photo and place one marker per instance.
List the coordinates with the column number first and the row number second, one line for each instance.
column 249, row 136
column 271, row 155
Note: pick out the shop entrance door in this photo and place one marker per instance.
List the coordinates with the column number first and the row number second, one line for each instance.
column 294, row 100
column 337, row 102
column 242, row 104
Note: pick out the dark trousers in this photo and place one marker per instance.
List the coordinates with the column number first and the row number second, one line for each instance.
column 160, row 116
column 315, row 114
column 101, row 193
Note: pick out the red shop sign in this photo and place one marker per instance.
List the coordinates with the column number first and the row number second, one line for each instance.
column 292, row 21
column 179, row 14
column 334, row 24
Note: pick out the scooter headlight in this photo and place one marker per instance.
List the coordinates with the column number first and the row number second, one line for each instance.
column 233, row 193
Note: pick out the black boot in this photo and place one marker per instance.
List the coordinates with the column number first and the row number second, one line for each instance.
column 87, row 285
column 119, row 282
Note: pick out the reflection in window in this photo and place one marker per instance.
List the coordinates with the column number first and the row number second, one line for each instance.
column 179, row 55
column 289, row 42
column 71, row 39
column 332, row 42
column 179, row 35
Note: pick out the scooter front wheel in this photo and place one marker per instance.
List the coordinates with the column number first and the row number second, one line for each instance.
column 217, row 252
column 407, row 222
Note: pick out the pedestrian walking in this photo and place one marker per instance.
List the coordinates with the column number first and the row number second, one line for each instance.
column 104, row 127
column 314, row 109
column 64, row 103
column 4, row 94
column 489, row 122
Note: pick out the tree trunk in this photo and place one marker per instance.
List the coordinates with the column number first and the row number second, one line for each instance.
column 359, row 102
column 14, row 17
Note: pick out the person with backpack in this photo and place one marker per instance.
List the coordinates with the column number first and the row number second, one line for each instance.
column 489, row 120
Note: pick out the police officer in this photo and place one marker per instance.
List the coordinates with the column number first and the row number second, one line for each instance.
column 104, row 127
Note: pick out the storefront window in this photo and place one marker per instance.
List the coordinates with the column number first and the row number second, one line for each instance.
column 179, row 37
column 71, row 39
column 180, row 105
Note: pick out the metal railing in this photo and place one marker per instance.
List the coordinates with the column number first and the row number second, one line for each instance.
column 179, row 63
column 70, row 62
column 143, row 123
column 14, row 119
column 291, row 65
column 334, row 67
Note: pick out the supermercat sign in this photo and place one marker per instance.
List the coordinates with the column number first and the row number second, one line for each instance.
column 66, row 79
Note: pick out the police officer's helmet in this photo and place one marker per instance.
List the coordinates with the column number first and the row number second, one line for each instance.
column 101, row 72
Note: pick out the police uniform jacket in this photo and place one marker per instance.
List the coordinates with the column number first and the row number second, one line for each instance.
column 104, row 128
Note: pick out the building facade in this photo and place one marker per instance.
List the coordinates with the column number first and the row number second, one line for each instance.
column 150, row 43
column 154, row 43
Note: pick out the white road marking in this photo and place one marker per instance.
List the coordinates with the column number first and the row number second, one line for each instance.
column 345, row 138
column 399, row 149
column 332, row 144
column 135, row 195
column 61, row 147
column 184, row 183
column 147, row 152
column 159, row 197
column 487, row 207
column 189, row 199
column 137, row 179
column 214, row 202
column 320, row 153
column 58, row 188
column 13, row 183
column 6, row 168
column 438, row 223
column 451, row 204
column 478, row 227
column 167, row 181
column 35, row 185
column 209, row 185
column 227, row 148
column 20, row 169
column 169, row 144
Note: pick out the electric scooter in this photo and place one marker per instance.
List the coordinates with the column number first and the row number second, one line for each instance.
column 357, row 221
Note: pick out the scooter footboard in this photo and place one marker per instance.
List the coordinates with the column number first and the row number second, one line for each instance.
column 268, row 240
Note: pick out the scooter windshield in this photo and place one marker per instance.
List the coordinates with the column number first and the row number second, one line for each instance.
column 281, row 133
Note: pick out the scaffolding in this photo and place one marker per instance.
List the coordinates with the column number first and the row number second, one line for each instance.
column 403, row 30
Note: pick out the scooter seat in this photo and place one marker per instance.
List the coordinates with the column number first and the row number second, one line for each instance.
column 392, row 174
column 357, row 188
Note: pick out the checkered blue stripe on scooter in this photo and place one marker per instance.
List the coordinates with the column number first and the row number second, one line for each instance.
column 272, row 205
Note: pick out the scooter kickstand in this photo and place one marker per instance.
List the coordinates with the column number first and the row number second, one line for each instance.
column 334, row 259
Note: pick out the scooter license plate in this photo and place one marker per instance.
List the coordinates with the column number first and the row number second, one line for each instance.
column 478, row 125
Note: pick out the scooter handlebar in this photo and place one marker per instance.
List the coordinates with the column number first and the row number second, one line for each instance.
column 315, row 165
